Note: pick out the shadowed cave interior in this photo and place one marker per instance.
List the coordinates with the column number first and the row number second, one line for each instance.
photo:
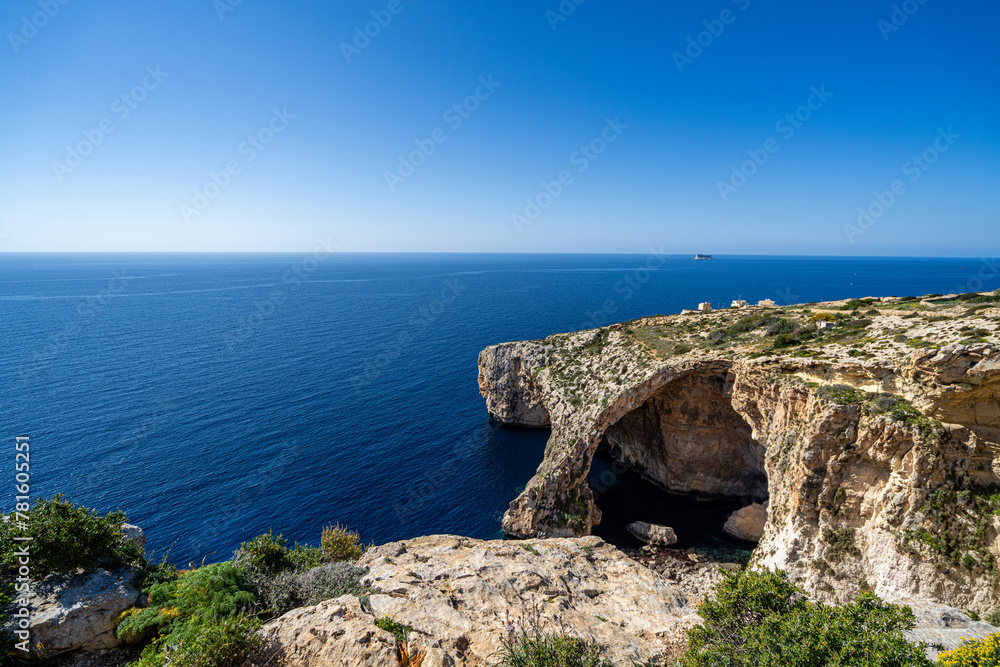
column 684, row 458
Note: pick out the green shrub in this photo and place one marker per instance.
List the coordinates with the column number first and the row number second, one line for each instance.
column 340, row 544
column 282, row 578
column 331, row 581
column 304, row 557
column 66, row 537
column 289, row 590
column 184, row 609
column 780, row 327
column 276, row 592
column 973, row 653
column 993, row 618
column 549, row 650
column 266, row 552
column 761, row 619
column 841, row 541
column 785, row 340
column 225, row 642
column 841, row 394
column 398, row 630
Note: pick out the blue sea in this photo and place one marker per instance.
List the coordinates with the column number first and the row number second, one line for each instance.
column 216, row 397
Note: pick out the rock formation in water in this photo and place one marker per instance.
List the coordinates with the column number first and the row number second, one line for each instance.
column 747, row 523
column 875, row 443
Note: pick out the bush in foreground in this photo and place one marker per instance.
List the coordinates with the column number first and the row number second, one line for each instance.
column 226, row 642
column 973, row 653
column 66, row 537
column 761, row 619
column 201, row 617
column 284, row 578
column 339, row 544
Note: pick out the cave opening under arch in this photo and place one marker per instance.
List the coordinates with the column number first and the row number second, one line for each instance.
column 684, row 458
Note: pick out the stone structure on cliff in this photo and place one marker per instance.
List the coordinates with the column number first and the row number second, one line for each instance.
column 876, row 444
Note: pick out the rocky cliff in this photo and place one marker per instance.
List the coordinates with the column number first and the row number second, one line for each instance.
column 459, row 595
column 874, row 441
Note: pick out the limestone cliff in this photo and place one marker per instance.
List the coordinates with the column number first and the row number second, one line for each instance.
column 458, row 594
column 874, row 441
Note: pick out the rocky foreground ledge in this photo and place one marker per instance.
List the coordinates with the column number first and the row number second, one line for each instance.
column 870, row 427
column 458, row 594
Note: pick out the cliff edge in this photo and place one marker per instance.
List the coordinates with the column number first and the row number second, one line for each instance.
column 870, row 427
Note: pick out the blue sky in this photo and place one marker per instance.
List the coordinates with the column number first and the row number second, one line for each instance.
column 601, row 127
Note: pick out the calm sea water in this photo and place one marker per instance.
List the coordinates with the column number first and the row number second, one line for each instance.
column 214, row 397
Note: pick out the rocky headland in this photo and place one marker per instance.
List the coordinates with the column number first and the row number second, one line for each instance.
column 870, row 428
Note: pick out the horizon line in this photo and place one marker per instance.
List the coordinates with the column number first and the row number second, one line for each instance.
column 471, row 252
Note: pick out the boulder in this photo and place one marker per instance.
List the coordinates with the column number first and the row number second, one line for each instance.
column 334, row 632
column 651, row 533
column 940, row 625
column 77, row 612
column 747, row 523
column 460, row 594
column 134, row 534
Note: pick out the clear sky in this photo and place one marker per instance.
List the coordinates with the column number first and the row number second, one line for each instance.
column 716, row 126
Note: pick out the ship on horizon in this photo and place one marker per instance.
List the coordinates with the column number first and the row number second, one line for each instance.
column 700, row 256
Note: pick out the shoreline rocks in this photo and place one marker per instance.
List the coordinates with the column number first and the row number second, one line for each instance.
column 747, row 523
column 651, row 533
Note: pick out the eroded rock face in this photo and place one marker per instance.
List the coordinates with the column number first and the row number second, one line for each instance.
column 861, row 494
column 867, row 501
column 458, row 594
column 508, row 372
column 72, row 613
column 747, row 523
column 687, row 437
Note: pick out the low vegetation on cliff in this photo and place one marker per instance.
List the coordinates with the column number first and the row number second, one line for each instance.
column 527, row 642
column 859, row 328
column 203, row 617
column 208, row 617
column 761, row 619
column 67, row 537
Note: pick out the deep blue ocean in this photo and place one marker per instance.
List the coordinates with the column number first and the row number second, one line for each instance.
column 215, row 397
